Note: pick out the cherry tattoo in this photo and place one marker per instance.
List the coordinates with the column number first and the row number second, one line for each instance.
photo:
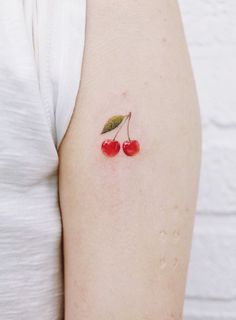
column 111, row 147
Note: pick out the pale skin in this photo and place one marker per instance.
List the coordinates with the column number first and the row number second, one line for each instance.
column 128, row 221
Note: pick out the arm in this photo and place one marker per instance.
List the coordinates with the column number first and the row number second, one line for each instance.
column 128, row 221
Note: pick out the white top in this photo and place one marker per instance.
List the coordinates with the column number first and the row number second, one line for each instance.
column 41, row 47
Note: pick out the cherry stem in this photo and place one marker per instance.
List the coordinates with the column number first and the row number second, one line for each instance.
column 127, row 117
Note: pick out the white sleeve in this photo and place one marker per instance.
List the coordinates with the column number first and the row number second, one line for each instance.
column 66, row 65
column 57, row 31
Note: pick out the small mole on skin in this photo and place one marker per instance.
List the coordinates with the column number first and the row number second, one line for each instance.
column 124, row 94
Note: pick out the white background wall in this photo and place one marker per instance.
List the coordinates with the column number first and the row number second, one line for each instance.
column 210, row 27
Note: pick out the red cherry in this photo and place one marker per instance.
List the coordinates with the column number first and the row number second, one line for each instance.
column 131, row 147
column 110, row 147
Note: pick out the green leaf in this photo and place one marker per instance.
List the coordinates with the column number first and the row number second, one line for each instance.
column 112, row 123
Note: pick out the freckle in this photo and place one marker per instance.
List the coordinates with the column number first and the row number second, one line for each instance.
column 162, row 263
column 163, row 39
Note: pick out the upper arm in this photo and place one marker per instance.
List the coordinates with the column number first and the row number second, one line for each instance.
column 128, row 220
